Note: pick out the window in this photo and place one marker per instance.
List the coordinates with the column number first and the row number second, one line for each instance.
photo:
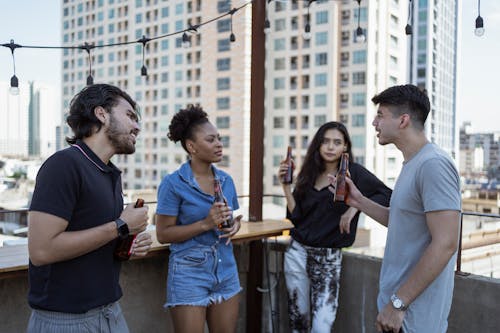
column 224, row 64
column 293, row 122
column 223, row 103
column 223, row 45
column 279, row 44
column 278, row 122
column 358, row 78
column 279, row 63
column 224, row 25
column 359, row 57
column 223, row 6
column 319, row 120
column 279, row 83
column 225, row 141
column 322, row 38
column 222, row 122
column 223, row 83
column 358, row 99
column 321, row 59
column 279, row 24
column 320, row 100
column 358, row 141
column 320, row 80
column 358, row 120
column 322, row 17
column 278, row 141
column 279, row 102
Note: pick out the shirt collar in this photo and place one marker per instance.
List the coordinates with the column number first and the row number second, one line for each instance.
column 92, row 157
column 186, row 174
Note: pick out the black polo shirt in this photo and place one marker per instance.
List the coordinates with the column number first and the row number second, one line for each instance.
column 76, row 185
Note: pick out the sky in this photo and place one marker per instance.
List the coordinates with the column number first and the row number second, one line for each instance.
column 34, row 22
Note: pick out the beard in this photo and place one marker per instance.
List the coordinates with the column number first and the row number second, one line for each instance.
column 119, row 138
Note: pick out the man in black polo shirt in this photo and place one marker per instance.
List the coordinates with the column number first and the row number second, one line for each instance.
column 76, row 218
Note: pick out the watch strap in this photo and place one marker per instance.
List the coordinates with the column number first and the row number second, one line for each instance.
column 122, row 228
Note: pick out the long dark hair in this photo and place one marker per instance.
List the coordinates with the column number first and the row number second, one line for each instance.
column 314, row 164
column 81, row 117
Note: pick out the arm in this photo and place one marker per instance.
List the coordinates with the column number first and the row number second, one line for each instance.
column 345, row 220
column 357, row 200
column 444, row 228
column 49, row 242
column 167, row 231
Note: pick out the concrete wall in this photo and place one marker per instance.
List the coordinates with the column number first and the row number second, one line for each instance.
column 475, row 302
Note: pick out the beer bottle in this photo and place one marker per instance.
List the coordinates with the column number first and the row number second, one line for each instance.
column 340, row 186
column 288, row 177
column 219, row 197
column 123, row 249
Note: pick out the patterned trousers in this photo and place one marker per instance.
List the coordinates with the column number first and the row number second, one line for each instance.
column 312, row 279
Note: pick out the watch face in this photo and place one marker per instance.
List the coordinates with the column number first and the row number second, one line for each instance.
column 397, row 303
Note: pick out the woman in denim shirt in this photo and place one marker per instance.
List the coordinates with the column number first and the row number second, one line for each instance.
column 202, row 282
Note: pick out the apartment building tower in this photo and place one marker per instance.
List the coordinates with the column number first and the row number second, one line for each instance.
column 212, row 72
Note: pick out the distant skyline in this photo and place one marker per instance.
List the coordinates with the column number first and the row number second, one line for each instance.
column 478, row 68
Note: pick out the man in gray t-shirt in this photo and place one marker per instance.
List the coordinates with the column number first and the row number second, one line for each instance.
column 416, row 279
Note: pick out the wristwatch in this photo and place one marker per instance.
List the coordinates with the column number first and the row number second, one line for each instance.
column 397, row 303
column 122, row 228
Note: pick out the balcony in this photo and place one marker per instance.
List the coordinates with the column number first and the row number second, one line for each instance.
column 143, row 283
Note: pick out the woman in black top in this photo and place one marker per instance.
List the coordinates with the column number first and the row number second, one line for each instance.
column 322, row 228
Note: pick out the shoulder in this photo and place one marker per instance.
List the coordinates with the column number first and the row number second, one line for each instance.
column 359, row 172
column 62, row 162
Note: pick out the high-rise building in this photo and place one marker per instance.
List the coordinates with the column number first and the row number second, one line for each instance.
column 433, row 66
column 331, row 76
column 28, row 125
column 212, row 72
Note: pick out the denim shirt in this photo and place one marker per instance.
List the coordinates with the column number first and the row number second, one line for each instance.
column 180, row 195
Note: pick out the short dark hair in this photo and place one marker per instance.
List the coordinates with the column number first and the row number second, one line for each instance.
column 81, row 117
column 184, row 123
column 407, row 98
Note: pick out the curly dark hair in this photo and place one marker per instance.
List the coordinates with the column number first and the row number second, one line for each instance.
column 185, row 122
column 81, row 117
column 314, row 164
column 406, row 98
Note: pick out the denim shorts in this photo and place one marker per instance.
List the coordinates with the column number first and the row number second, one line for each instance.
column 202, row 275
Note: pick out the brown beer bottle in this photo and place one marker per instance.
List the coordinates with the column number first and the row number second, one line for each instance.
column 288, row 177
column 219, row 197
column 123, row 249
column 340, row 186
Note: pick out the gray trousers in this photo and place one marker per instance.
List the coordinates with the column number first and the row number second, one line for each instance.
column 105, row 319
column 312, row 278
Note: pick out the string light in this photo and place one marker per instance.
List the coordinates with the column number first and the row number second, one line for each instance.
column 232, row 37
column 479, row 31
column 267, row 24
column 360, row 36
column 307, row 29
column 143, row 41
column 408, row 28
column 14, row 81
column 87, row 47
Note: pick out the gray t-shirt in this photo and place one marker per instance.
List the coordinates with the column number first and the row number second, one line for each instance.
column 428, row 182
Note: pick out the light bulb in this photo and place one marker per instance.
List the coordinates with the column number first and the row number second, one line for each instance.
column 307, row 32
column 360, row 36
column 186, row 43
column 14, row 85
column 232, row 38
column 90, row 80
column 144, row 71
column 479, row 26
column 408, row 29
column 267, row 27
